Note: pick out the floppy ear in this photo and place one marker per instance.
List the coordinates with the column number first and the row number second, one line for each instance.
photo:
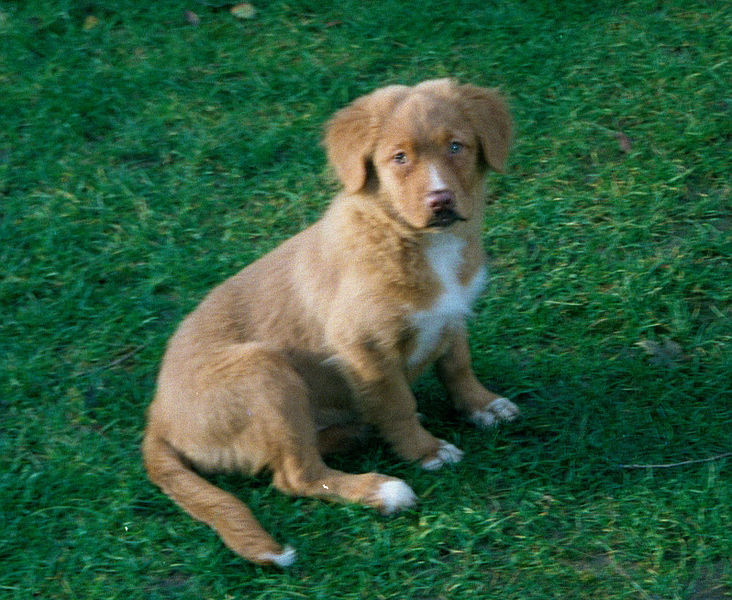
column 350, row 135
column 488, row 113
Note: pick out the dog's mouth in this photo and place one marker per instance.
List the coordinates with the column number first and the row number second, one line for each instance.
column 445, row 217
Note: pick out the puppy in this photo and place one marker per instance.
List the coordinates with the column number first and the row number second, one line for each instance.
column 286, row 360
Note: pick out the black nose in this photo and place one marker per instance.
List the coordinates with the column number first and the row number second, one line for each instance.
column 440, row 200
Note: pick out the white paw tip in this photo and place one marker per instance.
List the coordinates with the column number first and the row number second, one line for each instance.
column 505, row 409
column 395, row 495
column 501, row 409
column 446, row 454
column 284, row 559
column 483, row 418
column 449, row 453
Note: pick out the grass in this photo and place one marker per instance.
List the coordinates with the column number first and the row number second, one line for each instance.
column 143, row 159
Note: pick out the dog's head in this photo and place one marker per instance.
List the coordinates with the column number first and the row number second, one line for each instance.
column 423, row 150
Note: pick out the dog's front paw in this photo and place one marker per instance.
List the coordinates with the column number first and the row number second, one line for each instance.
column 446, row 453
column 497, row 411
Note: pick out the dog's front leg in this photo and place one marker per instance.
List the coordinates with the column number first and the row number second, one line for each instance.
column 484, row 408
column 385, row 401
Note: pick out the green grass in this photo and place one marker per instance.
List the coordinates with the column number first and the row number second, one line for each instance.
column 145, row 159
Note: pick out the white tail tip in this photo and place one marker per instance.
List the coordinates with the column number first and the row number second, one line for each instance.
column 284, row 559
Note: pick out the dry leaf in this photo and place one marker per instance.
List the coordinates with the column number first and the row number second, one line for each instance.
column 192, row 17
column 243, row 11
column 90, row 22
column 624, row 142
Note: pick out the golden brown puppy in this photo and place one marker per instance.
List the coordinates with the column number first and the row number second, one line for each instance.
column 285, row 360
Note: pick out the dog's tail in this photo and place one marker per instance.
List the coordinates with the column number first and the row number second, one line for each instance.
column 232, row 520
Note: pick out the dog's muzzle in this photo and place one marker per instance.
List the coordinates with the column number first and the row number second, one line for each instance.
column 442, row 205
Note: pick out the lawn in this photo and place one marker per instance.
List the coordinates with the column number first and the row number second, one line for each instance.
column 147, row 153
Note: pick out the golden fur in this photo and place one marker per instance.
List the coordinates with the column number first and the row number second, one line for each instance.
column 290, row 357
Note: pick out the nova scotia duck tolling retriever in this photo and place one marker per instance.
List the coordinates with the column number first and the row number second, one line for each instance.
column 318, row 341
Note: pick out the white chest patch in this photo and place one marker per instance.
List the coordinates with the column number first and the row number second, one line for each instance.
column 452, row 306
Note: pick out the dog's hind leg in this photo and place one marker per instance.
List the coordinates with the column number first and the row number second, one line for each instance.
column 311, row 477
column 218, row 412
column 299, row 469
column 244, row 408
column 270, row 400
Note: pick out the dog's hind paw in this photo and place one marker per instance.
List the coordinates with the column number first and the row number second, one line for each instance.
column 501, row 409
column 447, row 453
column 395, row 495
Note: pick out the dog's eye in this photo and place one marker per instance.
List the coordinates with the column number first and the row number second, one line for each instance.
column 400, row 158
column 455, row 147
